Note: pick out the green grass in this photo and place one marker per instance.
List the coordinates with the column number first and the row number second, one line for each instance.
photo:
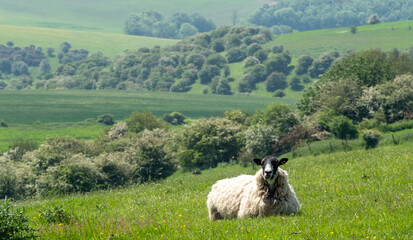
column 40, row 132
column 74, row 106
column 341, row 39
column 358, row 195
column 108, row 16
column 110, row 44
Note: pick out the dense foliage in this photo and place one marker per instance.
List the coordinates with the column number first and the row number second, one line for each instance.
column 13, row 223
column 289, row 15
column 179, row 25
column 379, row 88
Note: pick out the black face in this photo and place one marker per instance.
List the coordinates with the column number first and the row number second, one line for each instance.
column 270, row 166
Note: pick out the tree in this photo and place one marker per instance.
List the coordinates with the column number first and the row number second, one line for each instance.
column 295, row 84
column 217, row 60
column 186, row 30
column 236, row 54
column 220, row 86
column 279, row 63
column 373, row 19
column 304, row 62
column 45, row 66
column 277, row 115
column 19, row 68
column 174, row 118
column 201, row 23
column 276, row 80
column 208, row 72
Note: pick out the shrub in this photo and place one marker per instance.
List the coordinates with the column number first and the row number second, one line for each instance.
column 106, row 119
column 20, row 147
column 207, row 142
column 371, row 138
column 250, row 61
column 174, row 118
column 153, row 162
column 236, row 54
column 279, row 93
column 259, row 140
column 343, row 128
column 13, row 223
column 3, row 123
column 276, row 80
column 137, row 122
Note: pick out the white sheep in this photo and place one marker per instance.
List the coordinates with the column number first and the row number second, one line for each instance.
column 267, row 193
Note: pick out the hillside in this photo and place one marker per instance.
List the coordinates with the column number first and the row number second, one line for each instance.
column 385, row 36
column 342, row 195
column 110, row 44
column 109, row 16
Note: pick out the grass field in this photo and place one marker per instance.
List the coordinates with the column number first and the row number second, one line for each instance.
column 40, row 132
column 110, row 44
column 355, row 195
column 385, row 36
column 73, row 106
column 108, row 16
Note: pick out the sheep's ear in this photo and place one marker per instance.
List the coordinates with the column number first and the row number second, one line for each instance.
column 283, row 161
column 257, row 161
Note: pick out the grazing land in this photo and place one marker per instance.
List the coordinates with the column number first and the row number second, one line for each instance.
column 359, row 194
column 27, row 107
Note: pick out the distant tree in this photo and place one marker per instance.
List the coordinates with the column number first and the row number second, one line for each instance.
column 174, row 118
column 186, row 30
column 218, row 45
column 5, row 65
column 3, row 84
column 250, row 61
column 220, row 86
column 201, row 23
column 295, row 84
column 279, row 63
column 196, row 59
column 106, row 119
column 276, row 80
column 236, row 54
column 304, row 62
column 208, row 72
column 164, row 29
column 50, row 52
column 10, row 44
column 353, row 29
column 217, row 60
column 373, row 19
column 45, row 66
column 278, row 49
column 19, row 67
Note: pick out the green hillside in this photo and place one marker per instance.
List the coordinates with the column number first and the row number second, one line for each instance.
column 385, row 36
column 108, row 16
column 351, row 195
column 110, row 44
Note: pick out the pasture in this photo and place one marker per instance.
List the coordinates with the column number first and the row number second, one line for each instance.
column 108, row 16
column 385, row 36
column 359, row 195
column 28, row 107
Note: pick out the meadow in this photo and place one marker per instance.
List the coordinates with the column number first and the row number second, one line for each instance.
column 109, row 16
column 358, row 195
column 384, row 36
column 28, row 107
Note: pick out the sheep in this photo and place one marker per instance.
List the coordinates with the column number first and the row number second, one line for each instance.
column 263, row 194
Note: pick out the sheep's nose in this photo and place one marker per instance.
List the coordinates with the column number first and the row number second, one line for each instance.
column 268, row 172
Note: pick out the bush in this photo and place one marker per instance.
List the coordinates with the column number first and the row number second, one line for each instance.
column 174, row 118
column 18, row 148
column 276, row 80
column 3, row 123
column 371, row 138
column 259, row 140
column 137, row 122
column 13, row 223
column 279, row 93
column 236, row 54
column 207, row 142
column 343, row 128
column 106, row 119
column 397, row 126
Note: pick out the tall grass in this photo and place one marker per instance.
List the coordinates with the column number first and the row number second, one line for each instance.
column 358, row 195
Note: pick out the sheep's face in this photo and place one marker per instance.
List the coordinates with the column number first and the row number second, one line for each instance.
column 270, row 166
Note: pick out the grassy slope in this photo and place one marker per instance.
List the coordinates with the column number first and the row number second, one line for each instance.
column 359, row 194
column 108, row 16
column 340, row 39
column 110, row 44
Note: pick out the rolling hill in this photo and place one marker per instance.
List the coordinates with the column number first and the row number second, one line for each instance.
column 108, row 16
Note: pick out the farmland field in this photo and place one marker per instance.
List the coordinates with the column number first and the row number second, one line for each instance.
column 73, row 106
column 358, row 195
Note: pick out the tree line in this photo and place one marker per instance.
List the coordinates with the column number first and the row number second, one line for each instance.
column 179, row 25
column 287, row 16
